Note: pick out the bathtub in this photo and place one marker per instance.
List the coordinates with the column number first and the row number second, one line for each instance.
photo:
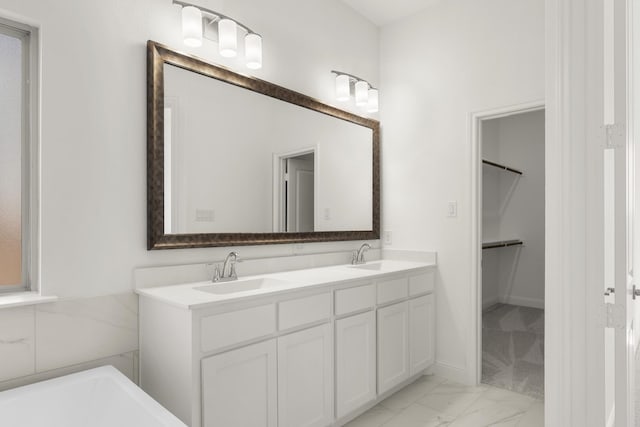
column 101, row 397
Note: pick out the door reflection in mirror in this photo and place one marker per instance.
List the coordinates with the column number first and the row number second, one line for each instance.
column 297, row 182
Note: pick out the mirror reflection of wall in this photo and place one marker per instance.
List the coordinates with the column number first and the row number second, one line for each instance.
column 221, row 173
column 297, row 186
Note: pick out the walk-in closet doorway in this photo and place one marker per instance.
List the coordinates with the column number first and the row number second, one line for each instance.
column 509, row 247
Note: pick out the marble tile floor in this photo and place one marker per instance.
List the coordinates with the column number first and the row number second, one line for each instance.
column 513, row 349
column 432, row 402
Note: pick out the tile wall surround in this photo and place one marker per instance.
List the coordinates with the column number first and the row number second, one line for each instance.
column 147, row 277
column 47, row 340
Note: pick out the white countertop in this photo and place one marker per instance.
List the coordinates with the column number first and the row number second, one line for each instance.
column 187, row 295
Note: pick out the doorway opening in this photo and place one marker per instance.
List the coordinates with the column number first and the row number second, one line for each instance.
column 295, row 191
column 510, row 249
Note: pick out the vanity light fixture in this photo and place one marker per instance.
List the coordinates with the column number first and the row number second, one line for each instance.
column 362, row 93
column 372, row 101
column 366, row 96
column 199, row 23
column 192, row 26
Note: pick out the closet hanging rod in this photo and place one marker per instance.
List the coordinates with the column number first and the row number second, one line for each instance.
column 501, row 244
column 499, row 166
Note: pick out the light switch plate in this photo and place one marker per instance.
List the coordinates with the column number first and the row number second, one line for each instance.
column 205, row 215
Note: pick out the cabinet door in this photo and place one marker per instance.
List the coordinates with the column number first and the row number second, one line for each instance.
column 355, row 362
column 421, row 333
column 305, row 378
column 393, row 346
column 239, row 387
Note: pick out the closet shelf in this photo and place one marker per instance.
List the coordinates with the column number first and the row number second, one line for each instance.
column 503, row 167
column 501, row 244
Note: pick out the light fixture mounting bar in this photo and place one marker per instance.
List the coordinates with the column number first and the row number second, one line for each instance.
column 353, row 78
column 215, row 16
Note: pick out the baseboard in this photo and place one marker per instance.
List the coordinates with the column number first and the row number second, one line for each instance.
column 523, row 301
column 489, row 302
column 611, row 419
column 450, row 372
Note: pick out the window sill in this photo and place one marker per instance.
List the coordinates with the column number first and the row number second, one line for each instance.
column 23, row 298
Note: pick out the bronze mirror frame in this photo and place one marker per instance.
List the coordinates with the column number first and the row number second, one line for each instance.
column 157, row 56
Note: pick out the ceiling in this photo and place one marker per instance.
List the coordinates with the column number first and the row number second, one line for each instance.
column 382, row 12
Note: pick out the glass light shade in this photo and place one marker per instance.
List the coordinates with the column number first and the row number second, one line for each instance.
column 253, row 51
column 227, row 38
column 192, row 26
column 342, row 87
column 372, row 102
column 362, row 93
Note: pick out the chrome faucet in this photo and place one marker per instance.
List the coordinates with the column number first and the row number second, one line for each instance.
column 219, row 276
column 358, row 257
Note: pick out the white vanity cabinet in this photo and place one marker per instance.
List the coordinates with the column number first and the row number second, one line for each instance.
column 305, row 378
column 406, row 340
column 421, row 339
column 393, row 345
column 309, row 356
column 355, row 347
column 355, row 362
column 406, row 329
column 237, row 380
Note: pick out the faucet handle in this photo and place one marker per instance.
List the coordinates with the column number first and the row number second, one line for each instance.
column 216, row 273
column 354, row 258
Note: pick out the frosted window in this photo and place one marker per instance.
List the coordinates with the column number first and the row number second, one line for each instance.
column 11, row 146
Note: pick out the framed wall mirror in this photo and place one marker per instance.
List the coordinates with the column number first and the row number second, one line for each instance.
column 234, row 160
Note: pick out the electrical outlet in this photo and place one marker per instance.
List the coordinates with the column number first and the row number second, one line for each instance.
column 387, row 237
column 452, row 209
column 327, row 214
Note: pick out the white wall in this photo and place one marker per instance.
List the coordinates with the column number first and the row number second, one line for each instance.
column 513, row 208
column 94, row 153
column 457, row 57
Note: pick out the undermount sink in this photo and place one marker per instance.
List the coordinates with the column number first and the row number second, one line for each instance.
column 380, row 265
column 240, row 286
column 372, row 266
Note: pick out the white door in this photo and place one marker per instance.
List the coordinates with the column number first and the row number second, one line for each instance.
column 355, row 362
column 305, row 378
column 300, row 197
column 421, row 333
column 619, row 103
column 239, row 387
column 393, row 346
